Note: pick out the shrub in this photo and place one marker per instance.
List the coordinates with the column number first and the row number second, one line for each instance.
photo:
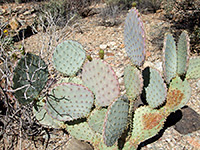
column 185, row 15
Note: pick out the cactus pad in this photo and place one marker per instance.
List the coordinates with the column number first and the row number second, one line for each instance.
column 68, row 57
column 134, row 38
column 193, row 71
column 98, row 144
column 133, row 81
column 32, row 71
column 130, row 145
column 70, row 80
column 69, row 101
column 101, row 79
column 147, row 122
column 169, row 58
column 43, row 117
column 156, row 91
column 116, row 120
column 96, row 120
column 81, row 131
column 183, row 53
column 178, row 94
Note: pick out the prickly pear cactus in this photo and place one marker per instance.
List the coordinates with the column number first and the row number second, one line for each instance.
column 81, row 131
column 133, row 81
column 178, row 94
column 147, row 122
column 101, row 79
column 183, row 53
column 96, row 120
column 193, row 71
column 134, row 38
column 116, row 120
column 68, row 57
column 156, row 91
column 169, row 57
column 98, row 143
column 31, row 73
column 69, row 101
column 70, row 80
column 44, row 118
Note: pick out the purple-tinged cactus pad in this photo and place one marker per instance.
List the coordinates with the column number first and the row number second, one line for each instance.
column 183, row 53
column 169, row 57
column 178, row 94
column 193, row 71
column 96, row 120
column 134, row 38
column 99, row 77
column 116, row 120
column 147, row 122
column 156, row 91
column 69, row 101
column 68, row 57
column 133, row 81
column 81, row 131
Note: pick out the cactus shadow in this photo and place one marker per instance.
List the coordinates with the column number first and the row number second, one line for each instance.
column 146, row 81
column 171, row 120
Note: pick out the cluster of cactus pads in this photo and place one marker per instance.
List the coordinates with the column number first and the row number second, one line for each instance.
column 90, row 107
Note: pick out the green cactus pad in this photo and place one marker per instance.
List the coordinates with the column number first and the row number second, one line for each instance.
column 96, row 120
column 133, row 81
column 99, row 77
column 44, row 118
column 178, row 94
column 147, row 122
column 32, row 71
column 81, row 131
column 116, row 120
column 69, row 101
column 193, row 71
column 169, row 58
column 156, row 91
column 183, row 53
column 130, row 145
column 68, row 57
column 98, row 144
column 134, row 38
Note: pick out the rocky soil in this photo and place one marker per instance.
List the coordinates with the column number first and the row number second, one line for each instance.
column 94, row 37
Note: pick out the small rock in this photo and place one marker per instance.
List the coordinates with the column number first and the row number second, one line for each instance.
column 190, row 121
column 14, row 24
column 103, row 46
column 148, row 54
column 114, row 47
column 2, row 11
column 121, row 81
column 158, row 66
column 122, row 46
column 198, row 84
column 27, row 13
column 109, row 54
column 110, row 44
column 18, row 8
column 148, row 64
column 21, row 16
